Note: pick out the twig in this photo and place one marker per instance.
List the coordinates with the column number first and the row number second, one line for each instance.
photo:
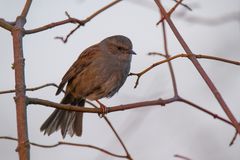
column 233, row 139
column 199, row 68
column 71, row 20
column 215, row 116
column 181, row 157
column 170, row 12
column 178, row 56
column 157, row 53
column 31, row 89
column 6, row 25
column 184, row 5
column 118, row 137
column 174, row 83
column 114, row 131
column 64, row 40
column 68, row 144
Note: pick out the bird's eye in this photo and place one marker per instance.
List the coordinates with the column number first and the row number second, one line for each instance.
column 119, row 48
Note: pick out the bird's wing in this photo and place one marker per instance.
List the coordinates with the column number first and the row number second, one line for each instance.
column 85, row 58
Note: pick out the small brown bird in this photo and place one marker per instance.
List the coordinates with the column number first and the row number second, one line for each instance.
column 99, row 72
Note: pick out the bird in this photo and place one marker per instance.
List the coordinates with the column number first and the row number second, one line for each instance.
column 99, row 72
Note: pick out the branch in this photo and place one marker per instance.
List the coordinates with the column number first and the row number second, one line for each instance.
column 118, row 137
column 174, row 83
column 20, row 86
column 178, row 56
column 199, row 68
column 46, row 103
column 114, row 131
column 233, row 139
column 215, row 116
column 170, row 12
column 158, row 102
column 68, row 144
column 71, row 20
column 6, row 25
column 26, row 8
column 184, row 5
column 181, row 157
column 31, row 89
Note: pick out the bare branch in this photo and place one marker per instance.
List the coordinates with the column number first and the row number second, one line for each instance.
column 71, row 20
column 215, row 116
column 6, row 25
column 64, row 40
column 174, row 83
column 114, row 131
column 233, row 139
column 26, row 8
column 178, row 56
column 184, row 5
column 31, row 89
column 199, row 68
column 158, row 102
column 157, row 53
column 118, row 137
column 99, row 110
column 68, row 144
column 170, row 12
column 181, row 157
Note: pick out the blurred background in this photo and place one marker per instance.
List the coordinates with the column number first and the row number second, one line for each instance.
column 213, row 28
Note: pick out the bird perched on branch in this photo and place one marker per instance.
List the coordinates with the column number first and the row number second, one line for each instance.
column 99, row 72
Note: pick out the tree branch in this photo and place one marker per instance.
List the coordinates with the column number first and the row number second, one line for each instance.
column 26, row 8
column 158, row 102
column 71, row 20
column 20, row 99
column 30, row 89
column 178, row 56
column 67, row 144
column 170, row 12
column 6, row 25
column 199, row 68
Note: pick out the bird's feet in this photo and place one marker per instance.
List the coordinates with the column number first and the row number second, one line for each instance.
column 104, row 109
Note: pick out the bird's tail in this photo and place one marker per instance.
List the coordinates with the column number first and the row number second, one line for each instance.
column 70, row 122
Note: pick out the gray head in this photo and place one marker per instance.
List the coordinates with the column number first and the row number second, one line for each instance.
column 119, row 43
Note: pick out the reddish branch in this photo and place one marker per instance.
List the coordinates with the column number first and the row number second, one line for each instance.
column 199, row 68
column 158, row 102
column 20, row 99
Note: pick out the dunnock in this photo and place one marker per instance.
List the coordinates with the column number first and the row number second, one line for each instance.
column 99, row 72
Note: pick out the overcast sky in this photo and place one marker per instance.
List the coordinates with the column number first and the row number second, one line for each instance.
column 151, row 132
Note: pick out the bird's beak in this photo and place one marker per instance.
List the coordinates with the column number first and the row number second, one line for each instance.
column 132, row 52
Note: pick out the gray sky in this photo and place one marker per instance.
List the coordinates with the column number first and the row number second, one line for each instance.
column 151, row 132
